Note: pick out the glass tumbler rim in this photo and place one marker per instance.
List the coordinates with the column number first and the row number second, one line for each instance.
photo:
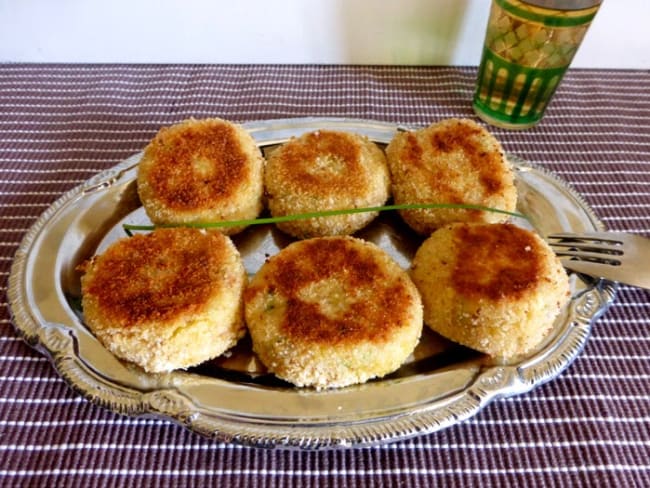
column 563, row 4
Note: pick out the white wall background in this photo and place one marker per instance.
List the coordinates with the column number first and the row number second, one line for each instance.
column 427, row 32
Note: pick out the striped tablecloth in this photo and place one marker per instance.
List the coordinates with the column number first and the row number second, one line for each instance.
column 61, row 124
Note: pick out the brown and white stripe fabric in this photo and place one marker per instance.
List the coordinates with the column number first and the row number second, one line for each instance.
column 61, row 124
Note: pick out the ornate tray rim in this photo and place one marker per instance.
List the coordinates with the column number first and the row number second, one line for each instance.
column 61, row 344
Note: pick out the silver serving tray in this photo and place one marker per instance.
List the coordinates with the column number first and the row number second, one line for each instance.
column 232, row 399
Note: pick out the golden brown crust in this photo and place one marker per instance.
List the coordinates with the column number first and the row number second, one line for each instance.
column 353, row 269
column 497, row 262
column 165, row 300
column 332, row 311
column 201, row 171
column 322, row 163
column 326, row 170
column 455, row 161
column 196, row 166
column 157, row 277
column 496, row 288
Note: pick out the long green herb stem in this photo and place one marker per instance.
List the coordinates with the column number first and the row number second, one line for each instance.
column 323, row 213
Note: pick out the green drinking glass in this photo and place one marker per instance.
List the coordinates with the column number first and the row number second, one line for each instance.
column 528, row 47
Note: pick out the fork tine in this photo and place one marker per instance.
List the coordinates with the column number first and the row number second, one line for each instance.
column 591, row 247
column 606, row 249
column 605, row 258
column 611, row 237
column 598, row 270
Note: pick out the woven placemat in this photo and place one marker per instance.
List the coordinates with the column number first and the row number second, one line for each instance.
column 61, row 124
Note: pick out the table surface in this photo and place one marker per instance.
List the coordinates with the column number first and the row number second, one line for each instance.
column 62, row 124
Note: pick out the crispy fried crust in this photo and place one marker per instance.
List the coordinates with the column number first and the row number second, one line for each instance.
column 332, row 311
column 166, row 300
column 201, row 171
column 326, row 170
column 496, row 288
column 454, row 161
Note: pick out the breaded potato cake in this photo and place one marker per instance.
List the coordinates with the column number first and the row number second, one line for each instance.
column 326, row 170
column 332, row 311
column 455, row 161
column 201, row 171
column 496, row 288
column 166, row 300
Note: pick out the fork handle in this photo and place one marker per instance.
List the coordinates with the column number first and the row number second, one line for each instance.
column 627, row 276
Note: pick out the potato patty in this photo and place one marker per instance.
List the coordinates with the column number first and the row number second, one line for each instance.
column 166, row 300
column 332, row 311
column 496, row 288
column 326, row 170
column 201, row 171
column 455, row 161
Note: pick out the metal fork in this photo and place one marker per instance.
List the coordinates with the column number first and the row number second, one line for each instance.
column 614, row 256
